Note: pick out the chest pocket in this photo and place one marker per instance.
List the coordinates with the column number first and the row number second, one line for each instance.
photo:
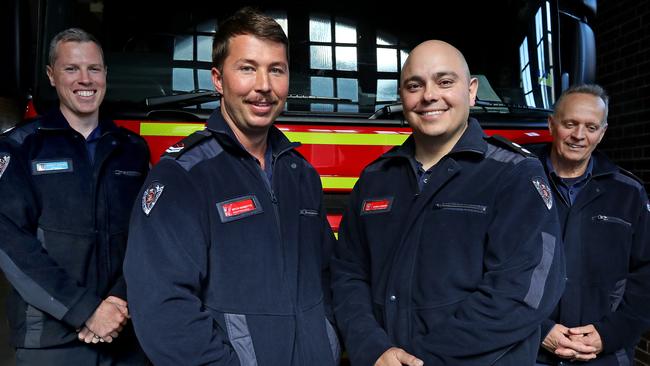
column 462, row 207
column 607, row 244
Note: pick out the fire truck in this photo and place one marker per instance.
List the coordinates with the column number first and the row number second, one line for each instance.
column 345, row 60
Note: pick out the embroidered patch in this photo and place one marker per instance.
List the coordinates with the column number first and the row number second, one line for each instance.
column 51, row 166
column 238, row 208
column 543, row 191
column 647, row 205
column 150, row 196
column 376, row 205
column 4, row 162
column 175, row 148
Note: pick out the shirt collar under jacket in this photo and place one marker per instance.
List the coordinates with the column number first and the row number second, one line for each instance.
column 472, row 140
column 278, row 142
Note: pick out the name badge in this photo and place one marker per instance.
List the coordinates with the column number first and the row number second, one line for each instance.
column 238, row 208
column 51, row 166
column 376, row 205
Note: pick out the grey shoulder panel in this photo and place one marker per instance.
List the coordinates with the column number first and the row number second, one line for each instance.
column 503, row 155
column 504, row 143
column 199, row 151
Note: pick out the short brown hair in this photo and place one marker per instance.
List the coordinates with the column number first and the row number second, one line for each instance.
column 245, row 21
column 71, row 35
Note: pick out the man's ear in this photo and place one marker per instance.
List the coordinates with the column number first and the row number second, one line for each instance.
column 50, row 74
column 473, row 89
column 217, row 80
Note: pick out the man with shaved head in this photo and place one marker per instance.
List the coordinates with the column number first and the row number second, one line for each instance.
column 449, row 251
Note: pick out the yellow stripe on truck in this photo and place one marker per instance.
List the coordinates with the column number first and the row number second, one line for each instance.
column 312, row 138
column 169, row 129
column 325, row 138
column 338, row 182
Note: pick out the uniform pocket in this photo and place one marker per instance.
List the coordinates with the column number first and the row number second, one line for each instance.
column 465, row 207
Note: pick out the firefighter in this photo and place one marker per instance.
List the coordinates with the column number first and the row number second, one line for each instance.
column 68, row 181
column 449, row 250
column 229, row 248
column 605, row 218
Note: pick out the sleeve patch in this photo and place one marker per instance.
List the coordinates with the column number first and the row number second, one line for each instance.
column 150, row 196
column 4, row 162
column 544, row 191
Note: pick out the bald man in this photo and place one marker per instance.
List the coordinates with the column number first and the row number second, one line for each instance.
column 449, row 251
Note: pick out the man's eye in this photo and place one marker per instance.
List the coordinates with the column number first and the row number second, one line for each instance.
column 412, row 87
column 446, row 83
column 247, row 68
column 277, row 70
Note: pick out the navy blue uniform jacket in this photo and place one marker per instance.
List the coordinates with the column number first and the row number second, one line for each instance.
column 227, row 269
column 461, row 273
column 606, row 236
column 63, row 224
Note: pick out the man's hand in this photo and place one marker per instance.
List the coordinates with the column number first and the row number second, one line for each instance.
column 107, row 320
column 587, row 335
column 559, row 342
column 397, row 357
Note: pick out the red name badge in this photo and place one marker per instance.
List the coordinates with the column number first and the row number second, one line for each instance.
column 238, row 208
column 376, row 205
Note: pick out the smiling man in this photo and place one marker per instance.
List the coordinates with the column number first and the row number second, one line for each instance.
column 605, row 218
column 229, row 249
column 449, row 251
column 68, row 181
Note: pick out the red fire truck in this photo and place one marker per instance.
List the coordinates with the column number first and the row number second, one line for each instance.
column 345, row 61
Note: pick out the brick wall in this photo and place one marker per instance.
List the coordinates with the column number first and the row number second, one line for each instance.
column 623, row 48
column 623, row 55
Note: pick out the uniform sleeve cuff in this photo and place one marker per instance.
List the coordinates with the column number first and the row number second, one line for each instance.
column 82, row 310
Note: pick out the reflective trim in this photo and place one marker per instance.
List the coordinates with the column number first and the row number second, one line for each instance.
column 334, row 341
column 322, row 138
column 622, row 358
column 33, row 327
column 169, row 129
column 30, row 291
column 338, row 182
column 240, row 338
column 313, row 138
column 538, row 280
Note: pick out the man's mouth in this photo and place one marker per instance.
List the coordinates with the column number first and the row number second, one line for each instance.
column 85, row 93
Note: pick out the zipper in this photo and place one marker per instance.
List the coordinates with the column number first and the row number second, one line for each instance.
column 128, row 173
column 466, row 207
column 612, row 219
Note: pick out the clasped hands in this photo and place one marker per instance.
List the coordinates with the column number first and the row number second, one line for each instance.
column 578, row 343
column 106, row 322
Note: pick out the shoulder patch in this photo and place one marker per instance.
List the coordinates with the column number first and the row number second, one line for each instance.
column 4, row 162
column 512, row 146
column 544, row 191
column 179, row 148
column 150, row 196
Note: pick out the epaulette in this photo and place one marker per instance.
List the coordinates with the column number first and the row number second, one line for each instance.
column 175, row 151
column 631, row 175
column 512, row 146
column 6, row 132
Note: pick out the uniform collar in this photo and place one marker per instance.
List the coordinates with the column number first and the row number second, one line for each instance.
column 471, row 141
column 278, row 141
column 54, row 120
column 599, row 163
